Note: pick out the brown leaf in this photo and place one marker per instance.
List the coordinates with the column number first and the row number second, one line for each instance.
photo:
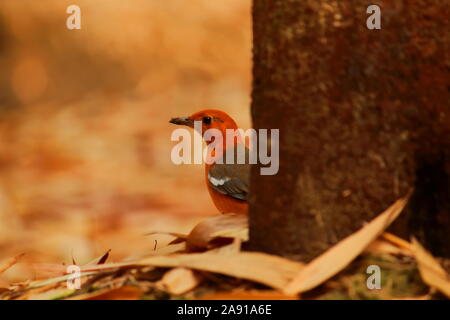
column 226, row 226
column 179, row 281
column 234, row 247
column 382, row 246
column 171, row 248
column 107, row 266
column 168, row 233
column 99, row 260
column 131, row 261
column 52, row 294
column 424, row 297
column 268, row 269
column 340, row 255
column 35, row 291
column 399, row 242
column 390, row 244
column 55, row 280
column 179, row 237
column 431, row 271
column 249, row 295
column 103, row 259
column 10, row 262
column 121, row 293
column 47, row 270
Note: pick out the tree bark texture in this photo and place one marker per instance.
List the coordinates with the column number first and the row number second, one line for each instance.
column 363, row 117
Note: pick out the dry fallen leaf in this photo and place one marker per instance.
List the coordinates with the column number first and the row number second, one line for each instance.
column 99, row 260
column 52, row 281
column 52, row 294
column 47, row 270
column 270, row 270
column 399, row 242
column 176, row 235
column 340, row 255
column 233, row 247
column 36, row 291
column 168, row 233
column 383, row 246
column 424, row 297
column 171, row 248
column 179, row 281
column 10, row 262
column 121, row 293
column 431, row 271
column 228, row 226
column 249, row 295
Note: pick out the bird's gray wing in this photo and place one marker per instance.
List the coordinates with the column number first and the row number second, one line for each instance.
column 230, row 179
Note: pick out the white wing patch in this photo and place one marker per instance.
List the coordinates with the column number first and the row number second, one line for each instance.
column 218, row 182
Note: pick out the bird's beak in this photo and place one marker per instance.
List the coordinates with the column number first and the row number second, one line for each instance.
column 184, row 121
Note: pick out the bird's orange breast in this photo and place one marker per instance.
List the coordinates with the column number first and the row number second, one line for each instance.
column 224, row 203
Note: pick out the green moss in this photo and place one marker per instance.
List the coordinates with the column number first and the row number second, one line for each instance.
column 400, row 278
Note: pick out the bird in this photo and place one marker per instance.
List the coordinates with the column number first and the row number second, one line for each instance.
column 228, row 184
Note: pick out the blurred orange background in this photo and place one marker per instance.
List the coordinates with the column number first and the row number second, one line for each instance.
column 84, row 134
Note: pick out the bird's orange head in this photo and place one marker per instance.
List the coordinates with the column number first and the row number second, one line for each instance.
column 210, row 119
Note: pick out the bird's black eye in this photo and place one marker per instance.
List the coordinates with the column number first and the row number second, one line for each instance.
column 206, row 120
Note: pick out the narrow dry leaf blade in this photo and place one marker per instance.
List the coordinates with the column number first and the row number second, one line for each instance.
column 382, row 246
column 168, row 233
column 107, row 266
column 179, row 280
column 41, row 283
column 340, row 255
column 237, row 232
column 10, row 262
column 52, row 294
column 169, row 249
column 270, row 270
column 35, row 291
column 121, row 293
column 399, row 242
column 424, row 297
column 58, row 272
column 233, row 247
column 223, row 226
column 103, row 259
column 430, row 270
column 249, row 295
column 99, row 260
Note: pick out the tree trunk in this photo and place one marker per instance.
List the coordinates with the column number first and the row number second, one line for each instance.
column 363, row 117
